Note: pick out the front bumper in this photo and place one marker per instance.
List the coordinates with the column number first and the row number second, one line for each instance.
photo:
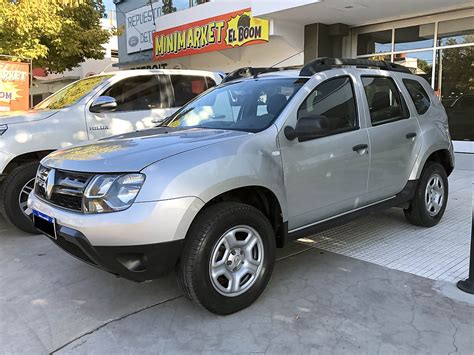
column 136, row 263
column 140, row 243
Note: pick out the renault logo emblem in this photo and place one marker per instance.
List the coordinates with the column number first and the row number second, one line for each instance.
column 49, row 184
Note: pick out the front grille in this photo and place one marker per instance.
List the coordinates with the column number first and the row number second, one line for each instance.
column 66, row 187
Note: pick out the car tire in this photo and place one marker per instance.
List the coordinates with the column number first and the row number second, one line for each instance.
column 19, row 181
column 232, row 238
column 431, row 197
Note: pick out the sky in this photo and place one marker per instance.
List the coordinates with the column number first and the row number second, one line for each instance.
column 109, row 5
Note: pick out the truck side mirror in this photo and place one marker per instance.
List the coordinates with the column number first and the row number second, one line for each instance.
column 103, row 104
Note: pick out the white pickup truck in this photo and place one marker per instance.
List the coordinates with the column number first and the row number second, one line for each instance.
column 88, row 109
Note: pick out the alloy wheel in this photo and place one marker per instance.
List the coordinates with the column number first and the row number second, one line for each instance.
column 23, row 197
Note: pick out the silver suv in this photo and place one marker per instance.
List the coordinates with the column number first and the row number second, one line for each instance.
column 262, row 159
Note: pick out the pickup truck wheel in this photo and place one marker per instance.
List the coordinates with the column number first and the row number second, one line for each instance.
column 431, row 197
column 228, row 257
column 14, row 195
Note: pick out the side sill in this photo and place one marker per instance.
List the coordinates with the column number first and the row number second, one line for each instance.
column 401, row 198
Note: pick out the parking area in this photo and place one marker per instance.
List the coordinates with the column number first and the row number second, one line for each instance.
column 376, row 285
column 439, row 253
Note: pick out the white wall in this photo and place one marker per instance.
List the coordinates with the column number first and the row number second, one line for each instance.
column 263, row 7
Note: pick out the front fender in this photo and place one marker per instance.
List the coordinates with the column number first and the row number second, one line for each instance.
column 209, row 171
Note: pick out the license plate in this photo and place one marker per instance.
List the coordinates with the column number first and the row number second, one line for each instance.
column 45, row 224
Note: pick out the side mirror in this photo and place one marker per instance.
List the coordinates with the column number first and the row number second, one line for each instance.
column 308, row 127
column 103, row 104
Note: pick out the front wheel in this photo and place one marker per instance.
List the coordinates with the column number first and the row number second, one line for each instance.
column 431, row 197
column 14, row 195
column 228, row 257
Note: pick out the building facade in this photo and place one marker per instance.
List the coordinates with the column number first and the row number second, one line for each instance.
column 434, row 38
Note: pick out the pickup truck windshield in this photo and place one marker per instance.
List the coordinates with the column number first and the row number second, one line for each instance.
column 247, row 105
column 72, row 93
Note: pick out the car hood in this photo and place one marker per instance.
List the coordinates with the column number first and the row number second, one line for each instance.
column 25, row 116
column 134, row 151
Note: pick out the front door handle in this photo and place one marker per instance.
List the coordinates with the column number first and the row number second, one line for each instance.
column 410, row 135
column 359, row 147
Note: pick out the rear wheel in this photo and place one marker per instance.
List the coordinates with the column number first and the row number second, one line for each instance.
column 429, row 203
column 14, row 196
column 228, row 257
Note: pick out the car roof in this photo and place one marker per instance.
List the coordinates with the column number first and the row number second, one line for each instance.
column 320, row 65
column 135, row 72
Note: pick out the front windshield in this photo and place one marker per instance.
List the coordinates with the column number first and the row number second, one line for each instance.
column 72, row 93
column 248, row 105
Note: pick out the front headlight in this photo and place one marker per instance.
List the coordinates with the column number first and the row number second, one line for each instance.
column 110, row 193
column 3, row 129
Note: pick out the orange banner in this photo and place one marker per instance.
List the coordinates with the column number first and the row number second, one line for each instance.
column 14, row 86
column 235, row 29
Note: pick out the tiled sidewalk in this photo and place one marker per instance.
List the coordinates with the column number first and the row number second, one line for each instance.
column 385, row 238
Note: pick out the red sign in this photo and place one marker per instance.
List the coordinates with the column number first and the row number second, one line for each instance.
column 235, row 29
column 14, row 86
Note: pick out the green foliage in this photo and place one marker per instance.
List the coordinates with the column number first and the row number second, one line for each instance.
column 57, row 35
column 457, row 68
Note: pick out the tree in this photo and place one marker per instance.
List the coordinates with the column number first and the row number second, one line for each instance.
column 57, row 35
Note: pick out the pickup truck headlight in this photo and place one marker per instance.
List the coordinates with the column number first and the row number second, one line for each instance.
column 110, row 193
column 3, row 129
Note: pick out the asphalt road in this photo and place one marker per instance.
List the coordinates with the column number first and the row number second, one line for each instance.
column 316, row 302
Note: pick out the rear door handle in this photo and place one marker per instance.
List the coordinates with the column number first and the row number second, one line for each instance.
column 410, row 135
column 359, row 147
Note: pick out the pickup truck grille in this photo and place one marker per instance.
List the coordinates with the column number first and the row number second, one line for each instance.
column 61, row 188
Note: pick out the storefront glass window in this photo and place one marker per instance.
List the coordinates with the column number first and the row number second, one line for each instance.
column 420, row 63
column 454, row 84
column 414, row 37
column 374, row 42
column 452, row 73
column 457, row 31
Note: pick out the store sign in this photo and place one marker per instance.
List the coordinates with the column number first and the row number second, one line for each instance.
column 14, row 86
column 231, row 30
column 139, row 26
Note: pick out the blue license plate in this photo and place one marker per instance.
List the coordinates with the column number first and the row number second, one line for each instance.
column 45, row 223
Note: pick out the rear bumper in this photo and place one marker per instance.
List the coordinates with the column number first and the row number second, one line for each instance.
column 133, row 262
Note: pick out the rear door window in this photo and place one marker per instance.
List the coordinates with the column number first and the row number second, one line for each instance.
column 136, row 93
column 385, row 101
column 418, row 94
column 187, row 87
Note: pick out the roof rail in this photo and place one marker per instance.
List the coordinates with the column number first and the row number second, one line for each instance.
column 247, row 72
column 322, row 64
